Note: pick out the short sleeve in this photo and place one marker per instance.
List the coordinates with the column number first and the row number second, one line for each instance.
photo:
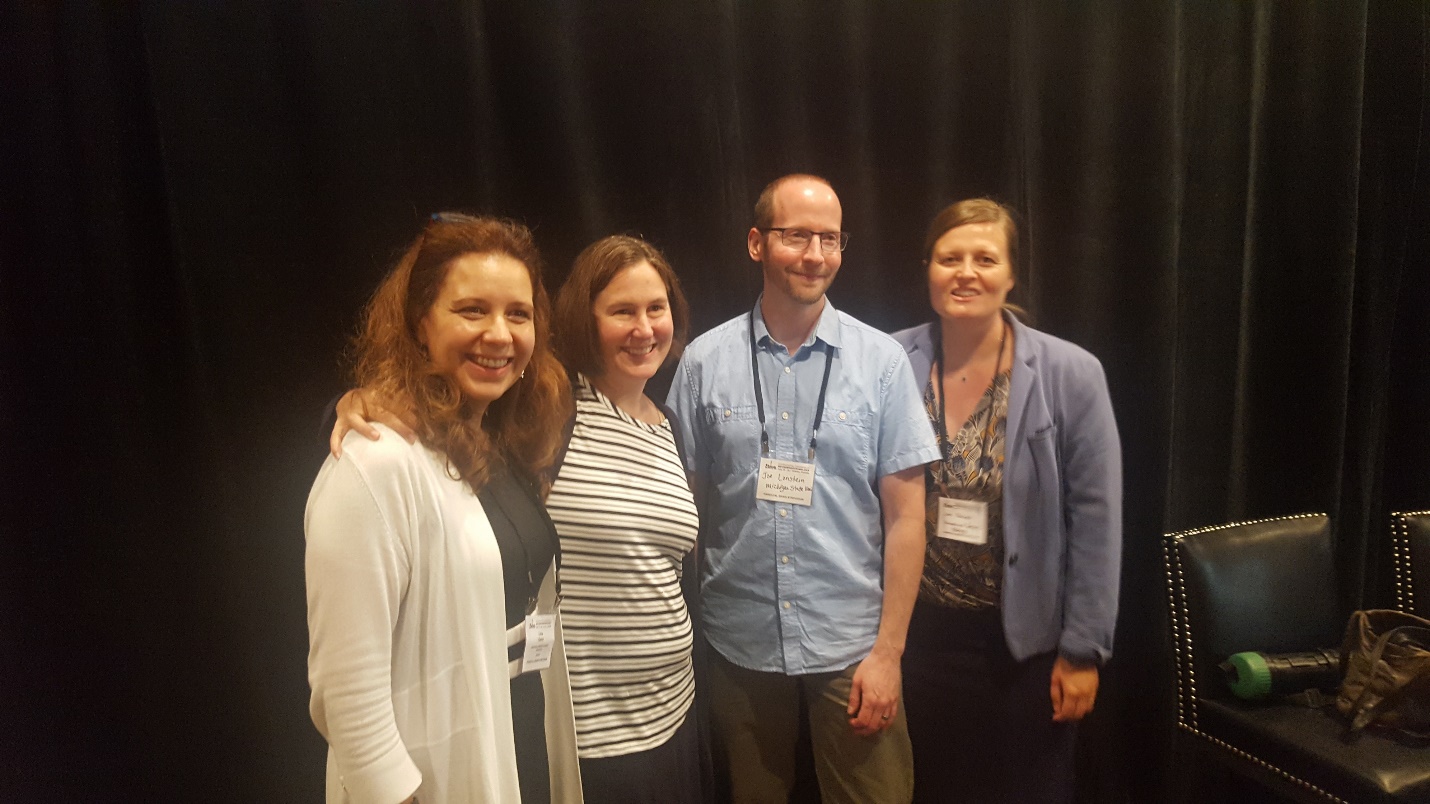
column 906, row 438
column 683, row 400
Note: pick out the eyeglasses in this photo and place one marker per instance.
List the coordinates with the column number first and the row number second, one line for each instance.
column 798, row 239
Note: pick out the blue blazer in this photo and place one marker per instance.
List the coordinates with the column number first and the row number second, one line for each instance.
column 1062, row 496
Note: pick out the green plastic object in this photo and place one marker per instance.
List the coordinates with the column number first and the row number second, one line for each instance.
column 1253, row 677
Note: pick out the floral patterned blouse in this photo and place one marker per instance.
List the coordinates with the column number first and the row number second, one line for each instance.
column 957, row 574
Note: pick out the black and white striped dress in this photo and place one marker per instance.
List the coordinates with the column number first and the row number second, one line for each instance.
column 626, row 519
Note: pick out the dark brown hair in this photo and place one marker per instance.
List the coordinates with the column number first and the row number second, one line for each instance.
column 576, row 338
column 765, row 204
column 522, row 428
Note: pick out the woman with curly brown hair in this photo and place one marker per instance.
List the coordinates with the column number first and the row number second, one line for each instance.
column 436, row 656
column 627, row 522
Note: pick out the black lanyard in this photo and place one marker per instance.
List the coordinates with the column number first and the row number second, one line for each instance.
column 939, row 394
column 760, row 399
column 495, row 497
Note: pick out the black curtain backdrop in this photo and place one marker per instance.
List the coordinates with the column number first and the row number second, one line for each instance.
column 1225, row 201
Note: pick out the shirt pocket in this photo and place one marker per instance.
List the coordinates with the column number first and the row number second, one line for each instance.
column 845, row 444
column 734, row 432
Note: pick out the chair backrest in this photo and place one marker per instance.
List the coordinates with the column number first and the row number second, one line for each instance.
column 1410, row 543
column 1268, row 585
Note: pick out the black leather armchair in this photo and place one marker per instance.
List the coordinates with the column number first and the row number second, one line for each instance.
column 1269, row 585
column 1410, row 543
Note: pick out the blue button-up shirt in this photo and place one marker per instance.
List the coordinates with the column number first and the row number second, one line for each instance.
column 790, row 588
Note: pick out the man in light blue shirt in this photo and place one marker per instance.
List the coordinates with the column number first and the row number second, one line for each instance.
column 806, row 438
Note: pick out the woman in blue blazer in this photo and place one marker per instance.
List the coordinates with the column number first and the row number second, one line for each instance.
column 1018, row 598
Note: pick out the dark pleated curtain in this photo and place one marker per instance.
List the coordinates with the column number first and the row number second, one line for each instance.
column 1226, row 202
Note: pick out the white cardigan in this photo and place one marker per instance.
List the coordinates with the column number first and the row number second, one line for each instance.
column 408, row 638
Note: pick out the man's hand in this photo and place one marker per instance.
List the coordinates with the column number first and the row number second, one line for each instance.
column 878, row 681
column 1074, row 690
column 874, row 696
column 360, row 406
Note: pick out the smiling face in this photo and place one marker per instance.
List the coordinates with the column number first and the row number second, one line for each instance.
column 634, row 324
column 480, row 331
column 803, row 276
column 969, row 273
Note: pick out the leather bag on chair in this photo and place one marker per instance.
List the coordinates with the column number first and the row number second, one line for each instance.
column 1386, row 658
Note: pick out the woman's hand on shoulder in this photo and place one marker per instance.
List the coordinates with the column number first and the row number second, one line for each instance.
column 359, row 408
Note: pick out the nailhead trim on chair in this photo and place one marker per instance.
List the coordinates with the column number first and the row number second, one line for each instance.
column 1400, row 548
column 1182, row 534
column 1182, row 647
column 1187, row 680
column 1268, row 766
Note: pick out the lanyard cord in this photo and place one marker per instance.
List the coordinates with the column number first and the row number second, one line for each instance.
column 945, row 444
column 760, row 399
column 527, row 489
column 533, row 588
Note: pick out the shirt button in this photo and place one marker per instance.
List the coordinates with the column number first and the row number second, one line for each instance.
column 784, row 512
column 787, row 369
column 784, row 559
column 843, row 415
column 784, row 415
column 786, row 604
column 727, row 413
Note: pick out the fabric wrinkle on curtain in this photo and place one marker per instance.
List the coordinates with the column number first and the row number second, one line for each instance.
column 1225, row 202
column 1237, row 471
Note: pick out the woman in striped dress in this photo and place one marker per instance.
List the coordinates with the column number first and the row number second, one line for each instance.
column 626, row 520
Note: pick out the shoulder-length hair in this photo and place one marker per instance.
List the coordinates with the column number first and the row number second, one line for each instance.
column 577, row 341
column 522, row 429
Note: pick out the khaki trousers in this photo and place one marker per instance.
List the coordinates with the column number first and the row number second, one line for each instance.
column 755, row 717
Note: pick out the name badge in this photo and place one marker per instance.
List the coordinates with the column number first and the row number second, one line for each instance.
column 785, row 481
column 540, row 637
column 963, row 520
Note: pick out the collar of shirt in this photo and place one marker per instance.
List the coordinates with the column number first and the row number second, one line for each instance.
column 827, row 328
column 787, row 588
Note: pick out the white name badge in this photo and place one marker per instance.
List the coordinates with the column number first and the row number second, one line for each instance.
column 785, row 481
column 540, row 637
column 963, row 520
